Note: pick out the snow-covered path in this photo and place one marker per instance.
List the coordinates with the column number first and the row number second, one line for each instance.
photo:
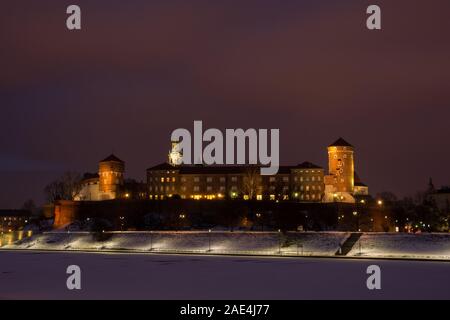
column 42, row 275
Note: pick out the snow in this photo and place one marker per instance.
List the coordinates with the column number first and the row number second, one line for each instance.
column 403, row 245
column 263, row 243
column 376, row 245
column 42, row 275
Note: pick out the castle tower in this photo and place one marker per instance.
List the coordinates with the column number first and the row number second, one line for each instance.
column 111, row 171
column 341, row 165
column 175, row 155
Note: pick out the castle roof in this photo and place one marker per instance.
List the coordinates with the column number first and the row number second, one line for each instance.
column 308, row 165
column 112, row 157
column 340, row 143
column 217, row 169
column 357, row 181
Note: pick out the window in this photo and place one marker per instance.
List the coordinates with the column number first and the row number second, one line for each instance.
column 196, row 188
column 234, row 179
column 307, row 188
column 222, row 179
column 183, row 188
column 272, row 179
column 222, row 188
column 208, row 188
column 301, row 179
column 183, row 179
column 196, row 179
column 313, row 178
column 319, row 178
column 286, row 179
column 173, row 179
column 272, row 197
column 209, row 179
column 259, row 197
column 162, row 179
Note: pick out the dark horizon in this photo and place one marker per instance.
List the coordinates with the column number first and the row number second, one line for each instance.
column 136, row 71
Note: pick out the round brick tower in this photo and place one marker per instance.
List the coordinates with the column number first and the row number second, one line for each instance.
column 111, row 171
column 341, row 165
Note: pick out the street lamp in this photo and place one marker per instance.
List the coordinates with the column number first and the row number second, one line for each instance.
column 209, row 240
column 151, row 240
column 279, row 241
column 258, row 216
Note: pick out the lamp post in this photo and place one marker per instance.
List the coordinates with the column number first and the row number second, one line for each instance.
column 258, row 216
column 279, row 241
column 209, row 240
column 151, row 240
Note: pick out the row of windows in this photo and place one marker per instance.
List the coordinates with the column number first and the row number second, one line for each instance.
column 307, row 197
column 223, row 188
column 235, row 179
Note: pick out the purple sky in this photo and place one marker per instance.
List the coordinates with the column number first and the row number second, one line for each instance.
column 140, row 69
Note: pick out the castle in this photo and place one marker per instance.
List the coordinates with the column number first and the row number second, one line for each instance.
column 305, row 182
column 104, row 185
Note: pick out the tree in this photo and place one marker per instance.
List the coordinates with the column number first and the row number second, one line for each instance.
column 250, row 181
column 66, row 187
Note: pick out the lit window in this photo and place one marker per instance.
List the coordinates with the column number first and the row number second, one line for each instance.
column 196, row 179
column 272, row 179
column 286, row 179
column 234, row 179
column 272, row 197
column 259, row 197
column 173, row 179
column 162, row 179
column 209, row 179
column 196, row 188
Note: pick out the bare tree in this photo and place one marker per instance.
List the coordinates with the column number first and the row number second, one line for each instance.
column 250, row 181
column 66, row 187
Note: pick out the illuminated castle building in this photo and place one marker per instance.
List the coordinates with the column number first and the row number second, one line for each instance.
column 342, row 183
column 304, row 182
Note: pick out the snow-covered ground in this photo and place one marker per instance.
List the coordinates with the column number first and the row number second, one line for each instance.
column 380, row 245
column 403, row 245
column 309, row 243
column 42, row 275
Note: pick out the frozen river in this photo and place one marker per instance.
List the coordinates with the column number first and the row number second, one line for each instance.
column 42, row 275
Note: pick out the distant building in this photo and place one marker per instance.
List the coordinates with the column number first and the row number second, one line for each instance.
column 305, row 182
column 13, row 220
column 109, row 183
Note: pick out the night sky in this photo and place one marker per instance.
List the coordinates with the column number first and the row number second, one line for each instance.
column 139, row 69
